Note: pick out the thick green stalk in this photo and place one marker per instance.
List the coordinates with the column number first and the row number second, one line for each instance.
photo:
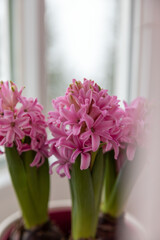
column 38, row 182
column 97, row 179
column 31, row 185
column 123, row 186
column 86, row 193
column 110, row 175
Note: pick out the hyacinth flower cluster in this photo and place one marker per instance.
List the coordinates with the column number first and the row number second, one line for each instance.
column 135, row 131
column 85, row 119
column 120, row 176
column 85, row 124
column 24, row 138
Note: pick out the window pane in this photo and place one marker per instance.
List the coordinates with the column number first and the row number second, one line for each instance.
column 4, row 41
column 81, row 43
column 4, row 58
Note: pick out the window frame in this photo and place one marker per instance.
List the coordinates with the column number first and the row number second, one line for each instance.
column 25, row 28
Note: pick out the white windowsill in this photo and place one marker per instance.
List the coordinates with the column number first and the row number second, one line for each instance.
column 4, row 178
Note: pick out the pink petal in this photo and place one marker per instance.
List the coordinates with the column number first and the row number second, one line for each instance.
column 19, row 132
column 22, row 121
column 10, row 136
column 1, row 108
column 56, row 132
column 66, row 170
column 84, row 136
column 75, row 155
column 76, row 129
column 98, row 120
column 41, row 161
column 94, row 111
column 95, row 142
column 116, row 149
column 3, row 141
column 59, row 169
column 85, row 161
column 55, row 151
column 89, row 120
column 108, row 147
column 68, row 115
column 24, row 147
column 65, row 143
column 105, row 125
column 36, row 160
column 4, row 122
column 51, row 166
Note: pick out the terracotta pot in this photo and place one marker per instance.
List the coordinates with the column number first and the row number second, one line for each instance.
column 60, row 213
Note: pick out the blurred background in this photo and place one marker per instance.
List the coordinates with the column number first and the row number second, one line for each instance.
column 44, row 44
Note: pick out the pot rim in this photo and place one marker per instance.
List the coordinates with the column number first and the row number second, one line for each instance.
column 57, row 205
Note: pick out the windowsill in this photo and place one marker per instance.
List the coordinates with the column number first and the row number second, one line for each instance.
column 4, row 177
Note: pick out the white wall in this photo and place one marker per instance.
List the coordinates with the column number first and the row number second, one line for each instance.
column 144, row 202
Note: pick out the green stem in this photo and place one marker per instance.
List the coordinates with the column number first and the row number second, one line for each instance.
column 31, row 185
column 123, row 186
column 86, row 192
column 110, row 175
column 98, row 179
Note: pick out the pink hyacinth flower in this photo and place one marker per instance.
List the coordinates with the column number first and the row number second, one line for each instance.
column 22, row 123
column 135, row 126
column 83, row 120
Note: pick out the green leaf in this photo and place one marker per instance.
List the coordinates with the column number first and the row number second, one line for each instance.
column 93, row 157
column 97, row 178
column 86, row 186
column 44, row 186
column 38, row 182
column 26, row 185
column 109, row 178
column 123, row 186
column 83, row 204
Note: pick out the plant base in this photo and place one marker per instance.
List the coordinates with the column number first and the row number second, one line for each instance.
column 47, row 231
column 61, row 216
column 107, row 227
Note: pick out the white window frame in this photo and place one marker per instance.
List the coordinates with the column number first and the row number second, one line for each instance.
column 145, row 82
column 27, row 39
column 122, row 81
column 4, row 42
